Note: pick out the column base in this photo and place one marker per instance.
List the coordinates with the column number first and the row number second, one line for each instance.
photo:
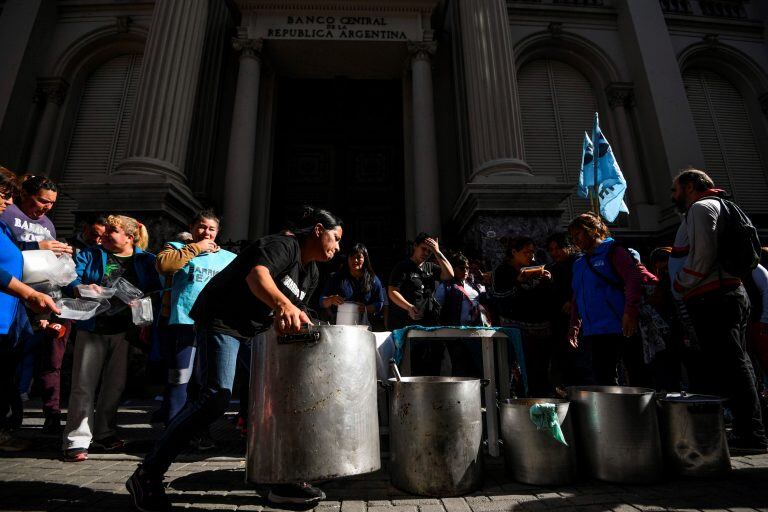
column 165, row 206
column 496, row 206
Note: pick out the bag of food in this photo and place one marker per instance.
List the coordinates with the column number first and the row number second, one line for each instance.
column 141, row 311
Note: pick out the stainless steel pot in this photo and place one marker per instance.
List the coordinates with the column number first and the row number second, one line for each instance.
column 618, row 432
column 313, row 406
column 533, row 456
column 693, row 434
column 435, row 435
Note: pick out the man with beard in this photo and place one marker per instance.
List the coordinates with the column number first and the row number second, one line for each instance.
column 718, row 306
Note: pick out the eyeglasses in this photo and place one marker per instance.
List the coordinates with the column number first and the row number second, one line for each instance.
column 6, row 195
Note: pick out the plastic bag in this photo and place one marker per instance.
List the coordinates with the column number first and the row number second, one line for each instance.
column 37, row 265
column 125, row 291
column 544, row 416
column 77, row 309
column 47, row 288
column 87, row 292
column 141, row 311
column 63, row 272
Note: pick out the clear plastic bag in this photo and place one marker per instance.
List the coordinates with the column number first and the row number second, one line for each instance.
column 141, row 311
column 47, row 288
column 63, row 272
column 125, row 291
column 77, row 309
column 87, row 292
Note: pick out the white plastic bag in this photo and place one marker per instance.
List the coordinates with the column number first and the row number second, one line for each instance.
column 141, row 311
column 38, row 265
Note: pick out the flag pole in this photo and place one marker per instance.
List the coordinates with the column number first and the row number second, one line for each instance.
column 595, row 159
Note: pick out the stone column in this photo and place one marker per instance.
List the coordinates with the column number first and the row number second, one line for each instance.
column 621, row 99
column 50, row 94
column 425, row 175
column 166, row 97
column 242, row 141
column 668, row 129
column 493, row 110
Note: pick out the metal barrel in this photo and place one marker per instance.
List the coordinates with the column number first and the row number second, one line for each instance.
column 531, row 455
column 313, row 412
column 618, row 432
column 435, row 430
column 693, row 434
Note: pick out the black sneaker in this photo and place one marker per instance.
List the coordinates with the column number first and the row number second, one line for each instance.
column 148, row 493
column 299, row 494
column 52, row 425
column 203, row 441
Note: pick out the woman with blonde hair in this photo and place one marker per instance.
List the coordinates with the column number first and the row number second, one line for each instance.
column 101, row 351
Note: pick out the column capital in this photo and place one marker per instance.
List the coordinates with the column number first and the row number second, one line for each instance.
column 422, row 50
column 621, row 94
column 248, row 47
column 52, row 90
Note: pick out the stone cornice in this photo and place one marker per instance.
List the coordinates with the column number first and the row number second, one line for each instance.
column 403, row 6
column 52, row 89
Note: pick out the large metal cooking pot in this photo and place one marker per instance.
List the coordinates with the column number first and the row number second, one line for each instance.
column 693, row 434
column 618, row 432
column 435, row 435
column 313, row 405
column 533, row 456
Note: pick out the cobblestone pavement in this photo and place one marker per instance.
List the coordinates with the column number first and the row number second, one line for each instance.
column 214, row 480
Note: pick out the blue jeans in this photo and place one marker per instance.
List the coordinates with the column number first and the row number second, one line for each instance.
column 178, row 348
column 217, row 360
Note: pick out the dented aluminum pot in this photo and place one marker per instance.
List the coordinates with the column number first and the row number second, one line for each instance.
column 618, row 432
column 533, row 456
column 313, row 413
column 693, row 434
column 435, row 435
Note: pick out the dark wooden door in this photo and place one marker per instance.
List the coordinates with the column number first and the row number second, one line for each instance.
column 339, row 146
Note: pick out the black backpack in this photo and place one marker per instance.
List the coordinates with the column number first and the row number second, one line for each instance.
column 738, row 246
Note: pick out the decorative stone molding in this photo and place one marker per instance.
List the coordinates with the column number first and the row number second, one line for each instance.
column 621, row 94
column 555, row 30
column 51, row 90
column 712, row 41
column 406, row 6
column 248, row 47
column 422, row 50
column 122, row 24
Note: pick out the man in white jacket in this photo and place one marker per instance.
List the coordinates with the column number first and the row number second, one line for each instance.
column 718, row 306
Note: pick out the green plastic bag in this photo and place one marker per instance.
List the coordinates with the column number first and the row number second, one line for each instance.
column 544, row 416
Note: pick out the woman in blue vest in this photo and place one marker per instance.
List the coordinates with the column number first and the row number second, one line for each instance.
column 102, row 341
column 189, row 267
column 607, row 290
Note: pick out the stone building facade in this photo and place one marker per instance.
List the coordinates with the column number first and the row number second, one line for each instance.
column 460, row 117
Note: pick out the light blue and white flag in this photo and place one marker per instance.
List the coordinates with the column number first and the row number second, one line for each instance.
column 611, row 184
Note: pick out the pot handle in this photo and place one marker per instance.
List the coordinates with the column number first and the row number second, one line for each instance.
column 484, row 382
column 384, row 384
column 310, row 337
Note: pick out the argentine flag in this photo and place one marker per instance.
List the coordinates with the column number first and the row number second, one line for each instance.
column 611, row 184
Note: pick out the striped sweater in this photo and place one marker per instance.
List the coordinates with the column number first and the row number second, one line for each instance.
column 693, row 262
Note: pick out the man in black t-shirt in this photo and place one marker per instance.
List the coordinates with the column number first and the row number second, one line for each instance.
column 265, row 285
column 411, row 289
